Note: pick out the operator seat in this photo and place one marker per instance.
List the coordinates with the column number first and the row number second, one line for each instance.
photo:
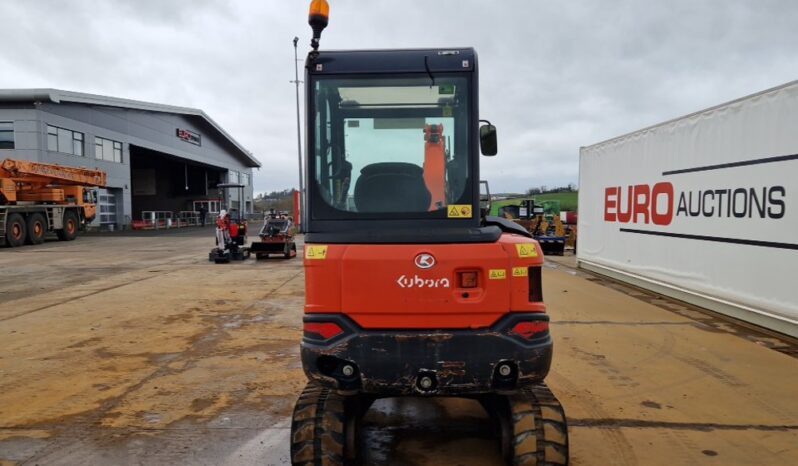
column 391, row 187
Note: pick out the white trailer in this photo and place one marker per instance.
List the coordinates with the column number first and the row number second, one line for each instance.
column 703, row 208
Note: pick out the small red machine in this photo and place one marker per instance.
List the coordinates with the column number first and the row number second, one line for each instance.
column 231, row 233
column 276, row 237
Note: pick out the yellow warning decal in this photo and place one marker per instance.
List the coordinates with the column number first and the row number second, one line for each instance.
column 520, row 272
column 315, row 252
column 459, row 211
column 497, row 274
column 526, row 250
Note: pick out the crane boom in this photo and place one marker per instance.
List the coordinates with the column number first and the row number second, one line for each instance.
column 43, row 174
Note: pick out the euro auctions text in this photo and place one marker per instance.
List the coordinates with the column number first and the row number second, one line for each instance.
column 658, row 204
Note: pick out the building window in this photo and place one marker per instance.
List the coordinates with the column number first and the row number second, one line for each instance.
column 245, row 179
column 64, row 140
column 6, row 135
column 232, row 177
column 107, row 207
column 108, row 150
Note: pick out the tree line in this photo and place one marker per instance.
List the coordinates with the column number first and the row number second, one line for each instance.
column 543, row 189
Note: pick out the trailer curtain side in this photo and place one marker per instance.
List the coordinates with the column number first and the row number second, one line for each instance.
column 703, row 208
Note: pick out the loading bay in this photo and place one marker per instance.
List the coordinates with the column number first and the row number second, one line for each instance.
column 131, row 348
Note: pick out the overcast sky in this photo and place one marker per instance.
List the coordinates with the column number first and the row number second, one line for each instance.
column 554, row 75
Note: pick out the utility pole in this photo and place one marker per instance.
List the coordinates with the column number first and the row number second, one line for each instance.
column 296, row 81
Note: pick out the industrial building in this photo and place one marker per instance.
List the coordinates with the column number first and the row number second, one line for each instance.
column 159, row 158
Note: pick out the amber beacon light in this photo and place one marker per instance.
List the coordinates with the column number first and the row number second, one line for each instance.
column 318, row 17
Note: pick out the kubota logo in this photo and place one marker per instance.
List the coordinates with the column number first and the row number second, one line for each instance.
column 420, row 282
column 425, row 261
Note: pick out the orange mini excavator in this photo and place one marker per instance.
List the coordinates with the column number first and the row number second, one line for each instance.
column 410, row 289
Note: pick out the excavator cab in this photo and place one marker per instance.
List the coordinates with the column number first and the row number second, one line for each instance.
column 410, row 290
column 384, row 154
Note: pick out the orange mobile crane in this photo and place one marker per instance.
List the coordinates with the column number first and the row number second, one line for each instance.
column 39, row 197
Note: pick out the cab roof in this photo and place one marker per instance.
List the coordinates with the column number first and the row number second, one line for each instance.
column 392, row 61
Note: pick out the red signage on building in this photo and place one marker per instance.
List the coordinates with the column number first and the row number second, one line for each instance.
column 189, row 136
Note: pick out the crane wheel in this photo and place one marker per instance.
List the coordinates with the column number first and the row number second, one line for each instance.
column 37, row 227
column 15, row 230
column 536, row 432
column 70, row 230
column 319, row 428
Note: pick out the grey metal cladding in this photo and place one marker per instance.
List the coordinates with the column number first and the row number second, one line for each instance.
column 110, row 104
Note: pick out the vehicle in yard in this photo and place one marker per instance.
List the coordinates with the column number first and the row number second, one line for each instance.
column 231, row 231
column 410, row 289
column 276, row 237
column 37, row 198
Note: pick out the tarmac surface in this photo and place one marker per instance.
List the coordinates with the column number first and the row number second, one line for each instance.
column 131, row 348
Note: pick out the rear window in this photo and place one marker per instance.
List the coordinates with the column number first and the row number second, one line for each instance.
column 397, row 145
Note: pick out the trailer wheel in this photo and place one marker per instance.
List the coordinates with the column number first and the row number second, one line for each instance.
column 37, row 227
column 70, row 230
column 318, row 432
column 538, row 434
column 15, row 230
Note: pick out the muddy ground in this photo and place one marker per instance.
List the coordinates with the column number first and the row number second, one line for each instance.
column 131, row 348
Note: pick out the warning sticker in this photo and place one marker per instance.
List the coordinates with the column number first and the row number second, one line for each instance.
column 315, row 252
column 497, row 274
column 459, row 211
column 520, row 272
column 526, row 250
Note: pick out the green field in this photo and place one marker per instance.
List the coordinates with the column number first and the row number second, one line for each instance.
column 568, row 201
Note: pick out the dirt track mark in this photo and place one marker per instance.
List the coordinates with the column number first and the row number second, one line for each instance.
column 697, row 426
column 623, row 452
column 76, row 298
column 612, row 322
column 203, row 344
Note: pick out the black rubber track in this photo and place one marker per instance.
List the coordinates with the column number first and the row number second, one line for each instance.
column 317, row 428
column 539, row 429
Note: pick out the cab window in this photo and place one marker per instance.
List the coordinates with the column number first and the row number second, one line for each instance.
column 398, row 146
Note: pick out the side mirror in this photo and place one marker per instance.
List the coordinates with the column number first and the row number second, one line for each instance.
column 487, row 139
